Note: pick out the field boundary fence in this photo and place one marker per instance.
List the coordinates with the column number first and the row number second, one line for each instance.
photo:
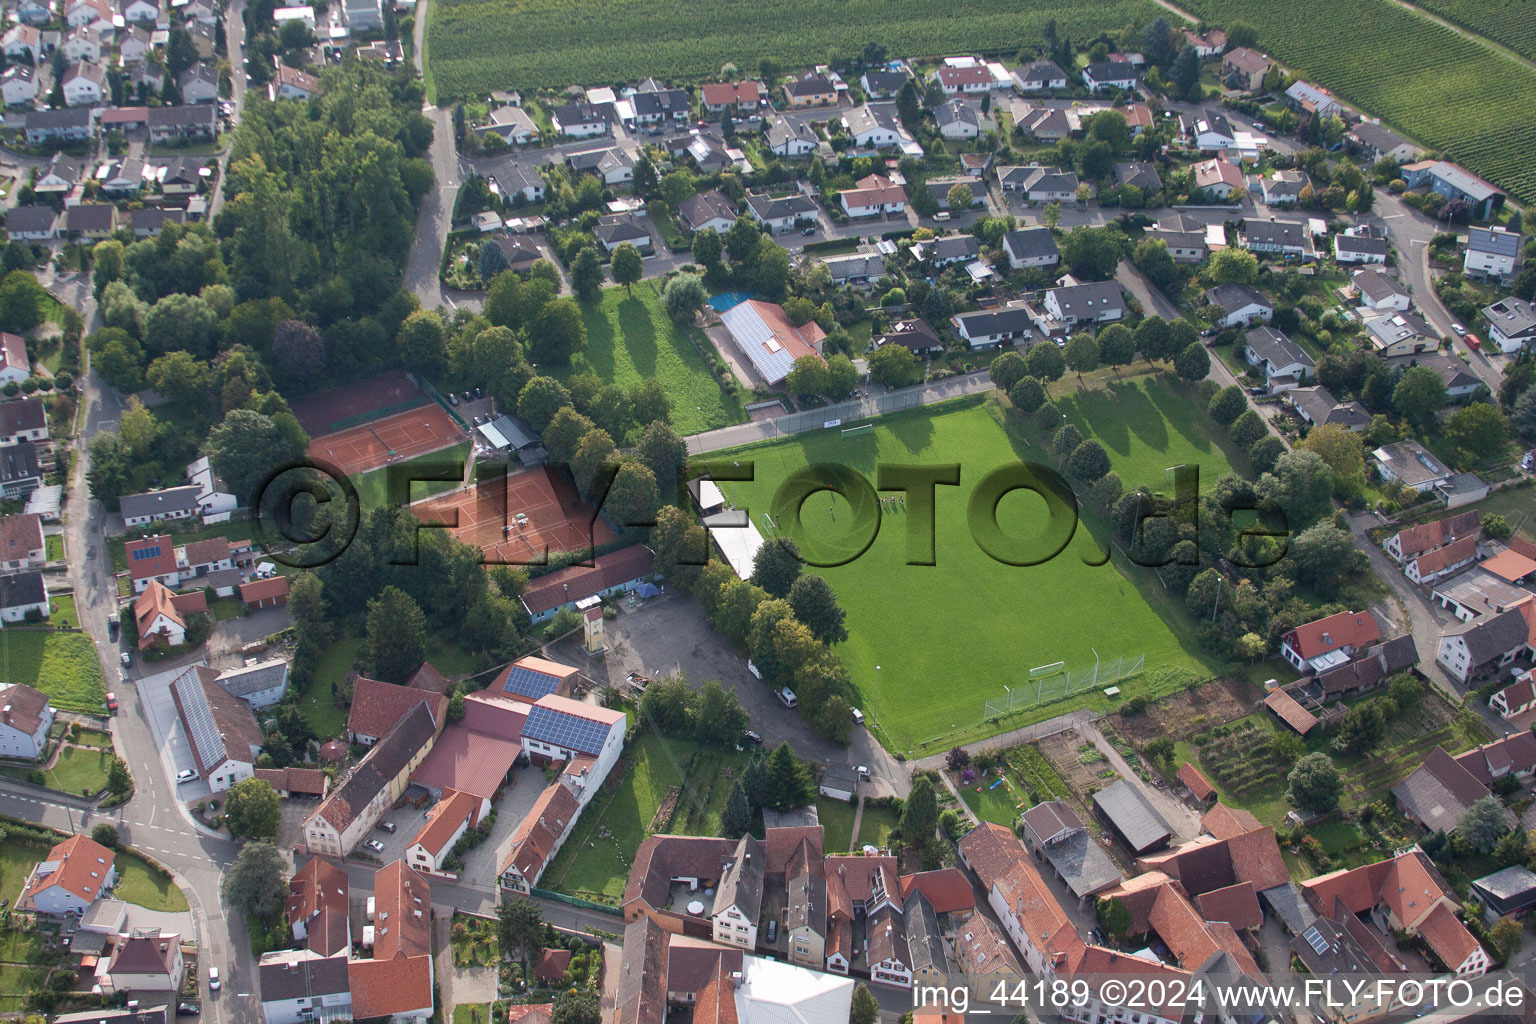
column 1057, row 681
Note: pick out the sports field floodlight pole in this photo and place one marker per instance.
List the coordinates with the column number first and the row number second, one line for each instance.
column 1010, row 697
column 1215, row 603
column 1095, row 666
column 877, row 696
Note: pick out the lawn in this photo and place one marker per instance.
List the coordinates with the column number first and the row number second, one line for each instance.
column 595, row 865
column 16, row 863
column 632, row 338
column 475, row 46
column 1000, row 804
column 80, row 771
column 1002, row 619
column 836, row 817
column 1514, row 504
column 53, row 547
column 62, row 665
column 225, row 608
column 15, row 983
column 143, row 886
column 372, row 486
column 317, row 702
column 876, row 826
column 62, row 612
column 93, row 738
column 471, row 1013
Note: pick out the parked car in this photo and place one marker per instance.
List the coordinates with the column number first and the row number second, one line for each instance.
column 387, row 826
column 773, row 930
column 752, row 737
column 127, row 659
column 112, row 625
column 186, row 775
column 808, row 232
column 788, row 697
column 1460, row 330
column 858, row 717
column 453, row 399
column 863, row 771
column 375, row 846
column 213, row 978
column 188, row 1010
column 111, row 701
column 479, row 392
column 1472, row 342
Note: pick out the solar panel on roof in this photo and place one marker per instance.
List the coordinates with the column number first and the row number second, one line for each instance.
column 199, row 719
column 531, row 684
column 562, row 730
column 153, row 551
column 1316, row 940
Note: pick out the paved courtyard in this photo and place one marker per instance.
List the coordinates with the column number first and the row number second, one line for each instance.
column 170, row 735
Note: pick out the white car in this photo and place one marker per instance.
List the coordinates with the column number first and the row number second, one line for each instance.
column 863, row 771
column 213, row 979
column 375, row 846
column 186, row 775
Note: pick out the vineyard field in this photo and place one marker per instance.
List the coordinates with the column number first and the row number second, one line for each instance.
column 1446, row 91
column 475, row 46
column 1509, row 22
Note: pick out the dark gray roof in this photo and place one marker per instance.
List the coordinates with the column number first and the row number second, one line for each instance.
column 925, row 946
column 917, row 335
column 855, row 265
column 620, row 227
column 1399, row 326
column 151, row 219
column 1030, row 243
column 304, row 979
column 1376, row 285
column 1500, row 243
column 1492, row 637
column 1042, row 71
column 809, row 85
column 90, row 217
column 885, row 81
column 1327, row 948
column 1511, row 887
column 1110, row 71
column 770, row 208
column 782, row 130
column 27, row 414
column 956, row 111
column 22, row 589
column 1274, row 347
column 1233, row 297
column 1082, row 864
column 380, row 766
column 584, row 113
column 741, row 884
column 56, row 120
column 1132, row 815
column 242, row 682
column 172, row 499
column 995, row 321
column 1364, row 244
column 705, row 206
column 1397, row 654
column 1140, row 173
column 1275, row 232
column 951, row 247
column 1286, row 902
column 193, row 114
column 1513, row 316
column 1377, row 137
column 664, row 101
column 18, row 462
column 642, row 993
column 29, row 219
column 1451, row 369
column 1089, row 299
column 807, row 901
column 1438, row 793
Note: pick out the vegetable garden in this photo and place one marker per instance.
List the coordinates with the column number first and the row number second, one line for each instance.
column 475, row 46
column 1443, row 89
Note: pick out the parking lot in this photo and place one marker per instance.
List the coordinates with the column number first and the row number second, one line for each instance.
column 170, row 735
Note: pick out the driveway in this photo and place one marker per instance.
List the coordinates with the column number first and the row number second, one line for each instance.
column 170, row 735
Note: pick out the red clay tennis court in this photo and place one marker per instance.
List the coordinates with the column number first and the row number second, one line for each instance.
column 404, row 435
column 516, row 519
column 320, row 414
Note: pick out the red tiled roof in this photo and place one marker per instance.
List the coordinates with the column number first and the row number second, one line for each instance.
column 716, row 1003
column 1508, row 564
column 551, row 965
column 780, row 844
column 83, row 866
column 377, row 705
column 1195, row 782
column 1333, row 633
column 444, row 819
column 539, row 831
column 1290, row 711
column 530, row 1013
column 947, row 889
column 1513, row 753
column 723, row 93
column 1407, row 884
column 1182, row 930
column 190, row 603
column 164, row 561
column 957, row 77
column 264, row 590
column 1462, row 549
column 1416, row 539
column 990, row 848
column 145, row 955
column 381, row 988
column 1448, row 937
column 203, row 552
column 429, row 678
column 402, row 922
column 318, row 888
column 691, row 962
column 308, row 781
column 1520, row 545
column 980, row 948
column 1224, row 822
column 575, row 582
column 873, row 190
column 661, row 858
column 1237, row 905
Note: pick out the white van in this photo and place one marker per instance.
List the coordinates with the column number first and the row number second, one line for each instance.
column 788, row 697
column 858, row 717
column 941, row 215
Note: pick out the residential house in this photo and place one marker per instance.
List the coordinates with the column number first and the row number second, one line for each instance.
column 790, row 138
column 1509, row 891
column 20, row 474
column 1207, row 44
column 1093, row 302
column 858, row 268
column 946, row 250
column 810, row 90
column 1286, row 239
column 171, row 503
column 292, row 84
column 145, row 961
column 709, row 210
column 21, row 542
column 1379, row 291
column 1040, row 76
column 873, row 196
column 1216, row 177
column 161, row 616
column 782, row 214
column 1317, row 406
column 1492, row 252
column 971, row 80
column 14, row 363
column 989, row 328
column 873, row 127
column 1410, row 463
column 31, row 224
column 260, row 685
column 583, row 120
column 18, row 85
column 82, row 44
column 1430, row 566
column 25, row 719
column 1276, row 355
column 1110, row 75
column 22, row 41
column 884, row 82
column 1283, row 188
column 940, row 187
column 1515, row 699
column 24, row 420
column 71, row 877
column 1413, row 541
column 222, row 732
column 377, row 707
column 1349, row 247
column 60, row 176
column 199, row 83
column 300, row 987
column 957, row 120
column 1401, row 334
column 1313, row 100
column 1043, row 124
column 1455, row 182
column 363, row 16
column 1184, row 237
column 1039, row 184
column 539, row 837
column 1240, row 304
column 739, row 897
column 1377, row 142
column 1330, row 641
column 1511, row 323
column 446, row 823
column 152, row 559
column 84, row 84
column 513, row 124
column 1031, row 247
column 1018, row 895
column 134, row 45
column 618, row 228
column 1487, row 644
column 1479, row 592
column 62, row 125
column 983, row 955
column 1211, row 132
column 653, row 106
column 1460, row 382
column 916, row 335
column 1140, row 173
column 354, row 807
column 190, row 121
column 744, row 96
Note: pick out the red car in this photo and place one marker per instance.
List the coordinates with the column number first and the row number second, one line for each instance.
column 1472, row 342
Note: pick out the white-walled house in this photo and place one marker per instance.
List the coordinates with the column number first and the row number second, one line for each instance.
column 1492, row 252
column 25, row 719
column 71, row 877
column 446, row 823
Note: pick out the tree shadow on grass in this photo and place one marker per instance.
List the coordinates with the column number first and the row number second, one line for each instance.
column 639, row 334
column 599, row 355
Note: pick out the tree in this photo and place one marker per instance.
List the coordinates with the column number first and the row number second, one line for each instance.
column 1506, row 937
column 1193, row 363
column 558, row 332
column 1314, row 784
column 587, row 275
column 633, row 497
column 684, row 295
column 1483, row 823
column 397, row 632
column 665, row 452
column 594, row 451
column 1117, row 345
column 815, row 604
column 1006, row 370
column 1479, row 429
column 564, row 432
column 1342, row 449
column 1082, row 354
column 894, row 366
column 920, row 813
column 1153, row 339
column 298, row 350
column 718, row 716
column 1324, row 554
column 809, row 376
column 1114, row 917
column 254, row 883
column 181, row 378
column 1522, row 414
column 248, row 445
column 960, row 196
column 1045, row 362
column 1091, row 253
column 251, row 809
column 1227, row 405
column 105, row 834
column 865, row 1008
column 1233, row 265
column 519, row 927
column 1419, row 396
column 1248, row 428
column 1027, row 394
column 540, row 399
column 627, row 265
column 422, row 342
column 842, row 375
column 1184, row 74
column 736, row 817
column 789, row 780
column 1088, row 461
column 1156, row 263
column 1362, row 728
column 119, row 782
column 493, row 260
column 777, row 565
